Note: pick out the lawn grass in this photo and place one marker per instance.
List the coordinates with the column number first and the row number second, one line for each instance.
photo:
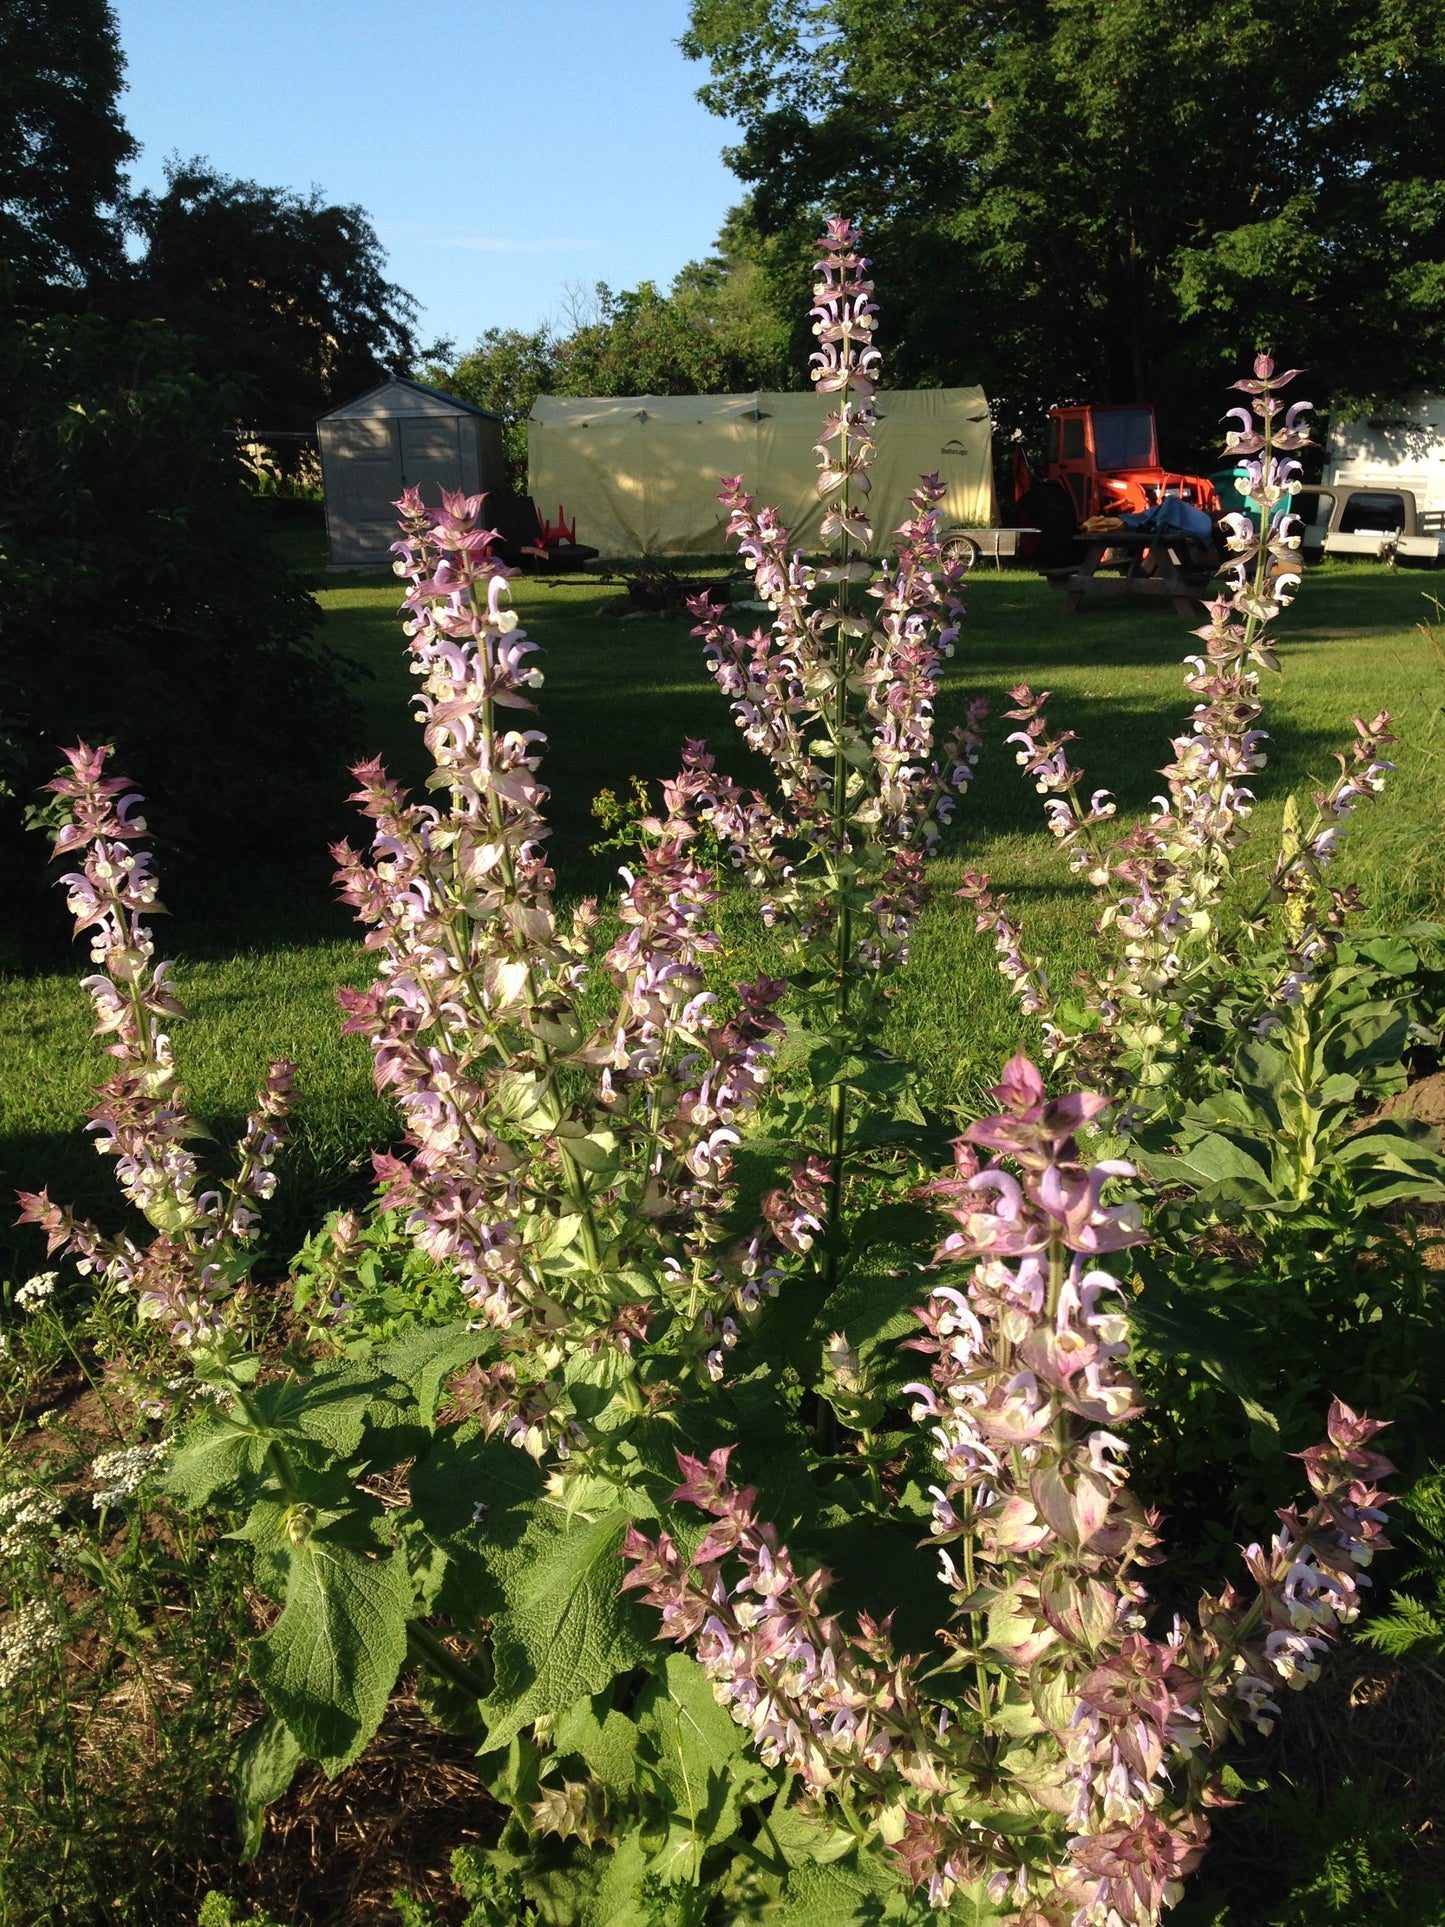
column 620, row 698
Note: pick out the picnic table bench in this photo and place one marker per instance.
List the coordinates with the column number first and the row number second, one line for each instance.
column 1137, row 562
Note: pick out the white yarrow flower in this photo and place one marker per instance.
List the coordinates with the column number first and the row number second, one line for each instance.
column 26, row 1514
column 33, row 1632
column 121, row 1474
column 34, row 1292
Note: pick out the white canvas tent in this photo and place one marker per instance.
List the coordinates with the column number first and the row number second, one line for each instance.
column 640, row 472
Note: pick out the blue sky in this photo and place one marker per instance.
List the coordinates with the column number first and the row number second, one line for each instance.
column 504, row 149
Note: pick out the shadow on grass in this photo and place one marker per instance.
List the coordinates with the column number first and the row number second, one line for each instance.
column 319, row 1173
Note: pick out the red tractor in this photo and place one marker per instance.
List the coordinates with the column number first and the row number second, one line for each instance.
column 1101, row 461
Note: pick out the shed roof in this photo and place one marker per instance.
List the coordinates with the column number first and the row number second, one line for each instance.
column 414, row 392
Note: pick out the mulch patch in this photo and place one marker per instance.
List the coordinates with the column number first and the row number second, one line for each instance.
column 335, row 1851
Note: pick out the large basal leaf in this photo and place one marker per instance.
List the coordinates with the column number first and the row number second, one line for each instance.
column 1369, row 1036
column 876, row 1303
column 603, row 1738
column 830, row 1897
column 565, row 1630
column 263, row 1766
column 617, row 1901
column 474, row 1497
column 424, row 1360
column 1210, row 1160
column 1404, row 1148
column 335, row 1406
column 697, row 1752
column 328, row 1665
column 212, row 1453
column 804, row 1839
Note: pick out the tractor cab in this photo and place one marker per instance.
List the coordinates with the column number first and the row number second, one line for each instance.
column 1101, row 461
column 1108, row 461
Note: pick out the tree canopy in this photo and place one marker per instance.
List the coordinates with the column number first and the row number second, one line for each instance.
column 283, row 293
column 717, row 330
column 1109, row 200
column 63, row 145
column 144, row 603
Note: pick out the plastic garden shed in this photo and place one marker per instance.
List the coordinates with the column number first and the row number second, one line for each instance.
column 399, row 435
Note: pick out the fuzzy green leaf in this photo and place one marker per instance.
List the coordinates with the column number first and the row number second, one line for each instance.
column 695, row 1749
column 263, row 1766
column 329, row 1663
column 214, row 1452
column 601, row 1736
column 617, row 1901
column 424, row 1360
column 828, row 1897
column 565, row 1630
column 877, row 1303
column 474, row 1497
column 1211, row 1159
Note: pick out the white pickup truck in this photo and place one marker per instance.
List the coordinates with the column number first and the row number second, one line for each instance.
column 1382, row 521
column 1383, row 490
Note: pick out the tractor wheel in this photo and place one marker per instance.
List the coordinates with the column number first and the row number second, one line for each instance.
column 1046, row 507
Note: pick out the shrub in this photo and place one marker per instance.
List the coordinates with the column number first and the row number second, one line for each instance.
column 141, row 602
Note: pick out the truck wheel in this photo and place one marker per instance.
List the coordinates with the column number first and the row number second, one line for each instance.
column 1047, row 508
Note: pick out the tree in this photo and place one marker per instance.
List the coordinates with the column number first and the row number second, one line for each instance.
column 718, row 330
column 283, row 293
column 62, row 147
column 143, row 603
column 505, row 372
column 1108, row 200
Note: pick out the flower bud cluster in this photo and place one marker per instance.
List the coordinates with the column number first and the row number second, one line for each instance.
column 1162, row 885
column 1311, row 1573
column 1112, row 1729
column 548, row 1151
column 1315, row 914
column 842, row 1711
column 199, row 1254
column 839, row 693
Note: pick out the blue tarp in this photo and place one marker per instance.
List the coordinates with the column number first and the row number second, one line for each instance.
column 1172, row 516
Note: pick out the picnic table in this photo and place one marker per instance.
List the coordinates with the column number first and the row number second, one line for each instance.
column 1137, row 562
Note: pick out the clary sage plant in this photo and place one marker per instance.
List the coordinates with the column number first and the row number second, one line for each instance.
column 1164, row 911
column 708, row 1700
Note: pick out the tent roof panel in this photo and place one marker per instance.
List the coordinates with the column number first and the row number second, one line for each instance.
column 571, row 411
column 642, row 472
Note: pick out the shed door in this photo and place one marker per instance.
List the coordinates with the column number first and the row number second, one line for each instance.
column 368, row 482
column 431, row 452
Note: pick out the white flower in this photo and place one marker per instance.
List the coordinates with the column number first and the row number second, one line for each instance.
column 123, row 1473
column 25, row 1515
column 65, row 1553
column 33, row 1632
column 34, row 1292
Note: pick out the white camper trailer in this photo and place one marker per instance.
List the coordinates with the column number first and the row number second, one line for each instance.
column 1383, row 490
